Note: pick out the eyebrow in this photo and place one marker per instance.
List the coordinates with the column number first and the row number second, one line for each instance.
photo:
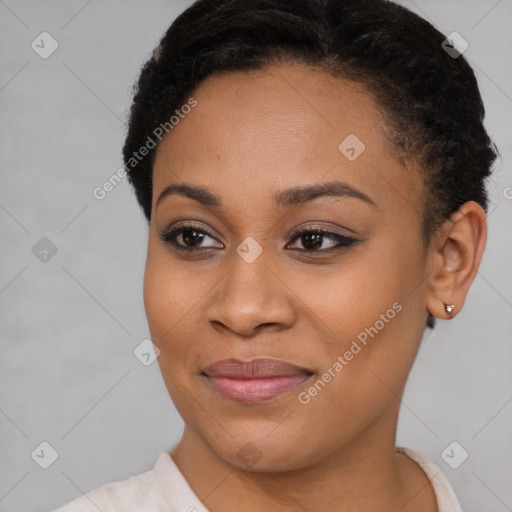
column 286, row 198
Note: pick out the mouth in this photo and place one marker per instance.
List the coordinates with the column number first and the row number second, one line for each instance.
column 254, row 381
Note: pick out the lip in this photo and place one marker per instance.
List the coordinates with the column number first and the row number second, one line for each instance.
column 254, row 381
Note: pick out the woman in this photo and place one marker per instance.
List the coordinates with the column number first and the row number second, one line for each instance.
column 313, row 174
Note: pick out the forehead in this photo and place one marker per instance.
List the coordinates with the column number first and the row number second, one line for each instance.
column 279, row 127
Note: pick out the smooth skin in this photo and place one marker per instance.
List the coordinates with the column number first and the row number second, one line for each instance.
column 251, row 136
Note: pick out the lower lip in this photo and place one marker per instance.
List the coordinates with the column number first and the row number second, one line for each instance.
column 250, row 391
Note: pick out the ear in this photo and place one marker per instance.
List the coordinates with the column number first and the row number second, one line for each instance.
column 454, row 257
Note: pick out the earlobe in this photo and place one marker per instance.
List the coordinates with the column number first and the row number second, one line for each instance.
column 449, row 311
column 449, row 308
column 456, row 253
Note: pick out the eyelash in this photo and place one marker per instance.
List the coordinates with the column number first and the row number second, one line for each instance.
column 343, row 241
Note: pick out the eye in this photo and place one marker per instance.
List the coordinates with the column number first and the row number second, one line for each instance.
column 187, row 237
column 190, row 237
column 312, row 240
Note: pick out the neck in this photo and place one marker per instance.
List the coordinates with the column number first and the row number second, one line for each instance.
column 365, row 475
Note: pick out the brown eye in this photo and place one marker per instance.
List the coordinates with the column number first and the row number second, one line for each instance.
column 187, row 237
column 191, row 237
column 312, row 240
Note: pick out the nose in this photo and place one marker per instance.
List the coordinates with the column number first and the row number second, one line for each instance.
column 252, row 297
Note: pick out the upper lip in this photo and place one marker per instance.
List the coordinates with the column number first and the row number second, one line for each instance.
column 254, row 369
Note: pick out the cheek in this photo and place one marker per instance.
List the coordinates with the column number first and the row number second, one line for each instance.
column 166, row 305
column 349, row 297
column 377, row 324
column 169, row 297
column 169, row 306
column 174, row 298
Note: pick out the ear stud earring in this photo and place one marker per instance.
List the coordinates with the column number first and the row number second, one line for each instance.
column 449, row 308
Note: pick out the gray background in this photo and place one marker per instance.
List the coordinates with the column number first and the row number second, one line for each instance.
column 69, row 326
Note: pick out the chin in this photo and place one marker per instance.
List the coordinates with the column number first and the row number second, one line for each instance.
column 260, row 452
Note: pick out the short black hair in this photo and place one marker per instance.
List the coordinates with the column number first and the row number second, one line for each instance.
column 429, row 96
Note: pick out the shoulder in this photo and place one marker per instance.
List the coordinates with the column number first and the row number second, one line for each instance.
column 134, row 494
column 446, row 499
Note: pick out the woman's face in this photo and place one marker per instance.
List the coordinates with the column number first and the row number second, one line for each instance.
column 346, row 308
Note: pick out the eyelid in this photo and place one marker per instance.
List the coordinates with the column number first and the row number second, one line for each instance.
column 341, row 241
column 318, row 225
column 176, row 229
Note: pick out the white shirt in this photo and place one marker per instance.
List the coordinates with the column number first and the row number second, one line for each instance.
column 164, row 489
